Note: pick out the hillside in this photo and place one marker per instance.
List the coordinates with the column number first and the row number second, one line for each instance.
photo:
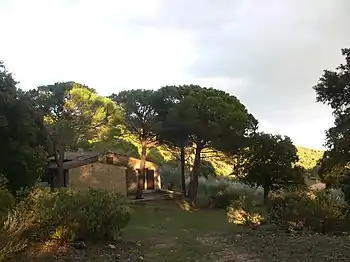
column 222, row 164
column 308, row 158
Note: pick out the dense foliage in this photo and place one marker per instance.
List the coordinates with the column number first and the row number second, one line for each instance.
column 299, row 210
column 214, row 119
column 74, row 115
column 63, row 215
column 333, row 89
column 22, row 136
column 268, row 161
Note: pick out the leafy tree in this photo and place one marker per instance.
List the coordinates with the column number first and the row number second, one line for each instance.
column 268, row 162
column 119, row 146
column 75, row 116
column 214, row 119
column 172, row 127
column 330, row 170
column 139, row 122
column 155, row 156
column 22, row 136
column 333, row 89
column 96, row 118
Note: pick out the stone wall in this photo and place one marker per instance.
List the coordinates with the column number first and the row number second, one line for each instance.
column 132, row 164
column 98, row 176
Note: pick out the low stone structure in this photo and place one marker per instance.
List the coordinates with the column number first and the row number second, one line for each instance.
column 83, row 170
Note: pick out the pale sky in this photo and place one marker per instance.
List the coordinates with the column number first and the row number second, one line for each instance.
column 268, row 53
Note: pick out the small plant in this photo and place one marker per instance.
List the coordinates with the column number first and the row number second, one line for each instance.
column 246, row 211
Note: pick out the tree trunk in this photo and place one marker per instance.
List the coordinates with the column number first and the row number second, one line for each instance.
column 58, row 180
column 266, row 193
column 183, row 178
column 141, row 175
column 193, row 188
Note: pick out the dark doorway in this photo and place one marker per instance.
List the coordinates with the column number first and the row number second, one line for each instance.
column 149, row 181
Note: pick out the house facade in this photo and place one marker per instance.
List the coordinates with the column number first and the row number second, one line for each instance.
column 83, row 170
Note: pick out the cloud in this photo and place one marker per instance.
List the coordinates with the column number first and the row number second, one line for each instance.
column 93, row 43
column 277, row 48
column 268, row 53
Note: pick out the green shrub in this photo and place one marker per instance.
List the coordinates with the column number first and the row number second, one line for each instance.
column 221, row 192
column 310, row 209
column 64, row 215
column 246, row 211
column 223, row 199
column 104, row 214
column 170, row 175
column 92, row 214
column 345, row 185
column 6, row 202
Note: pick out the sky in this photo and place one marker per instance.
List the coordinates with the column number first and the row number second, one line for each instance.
column 268, row 53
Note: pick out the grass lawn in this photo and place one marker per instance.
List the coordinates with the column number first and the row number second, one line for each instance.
column 164, row 230
column 168, row 233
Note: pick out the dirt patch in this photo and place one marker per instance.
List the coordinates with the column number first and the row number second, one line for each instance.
column 165, row 243
column 230, row 255
column 108, row 251
column 227, row 252
column 282, row 246
column 209, row 240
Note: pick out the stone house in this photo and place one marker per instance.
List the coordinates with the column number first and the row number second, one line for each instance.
column 83, row 170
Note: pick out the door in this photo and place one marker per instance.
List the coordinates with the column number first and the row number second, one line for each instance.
column 149, row 181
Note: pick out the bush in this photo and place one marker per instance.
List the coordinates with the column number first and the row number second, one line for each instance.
column 345, row 185
column 104, row 214
column 6, row 202
column 64, row 215
column 223, row 199
column 306, row 208
column 221, row 192
column 170, row 175
column 246, row 211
